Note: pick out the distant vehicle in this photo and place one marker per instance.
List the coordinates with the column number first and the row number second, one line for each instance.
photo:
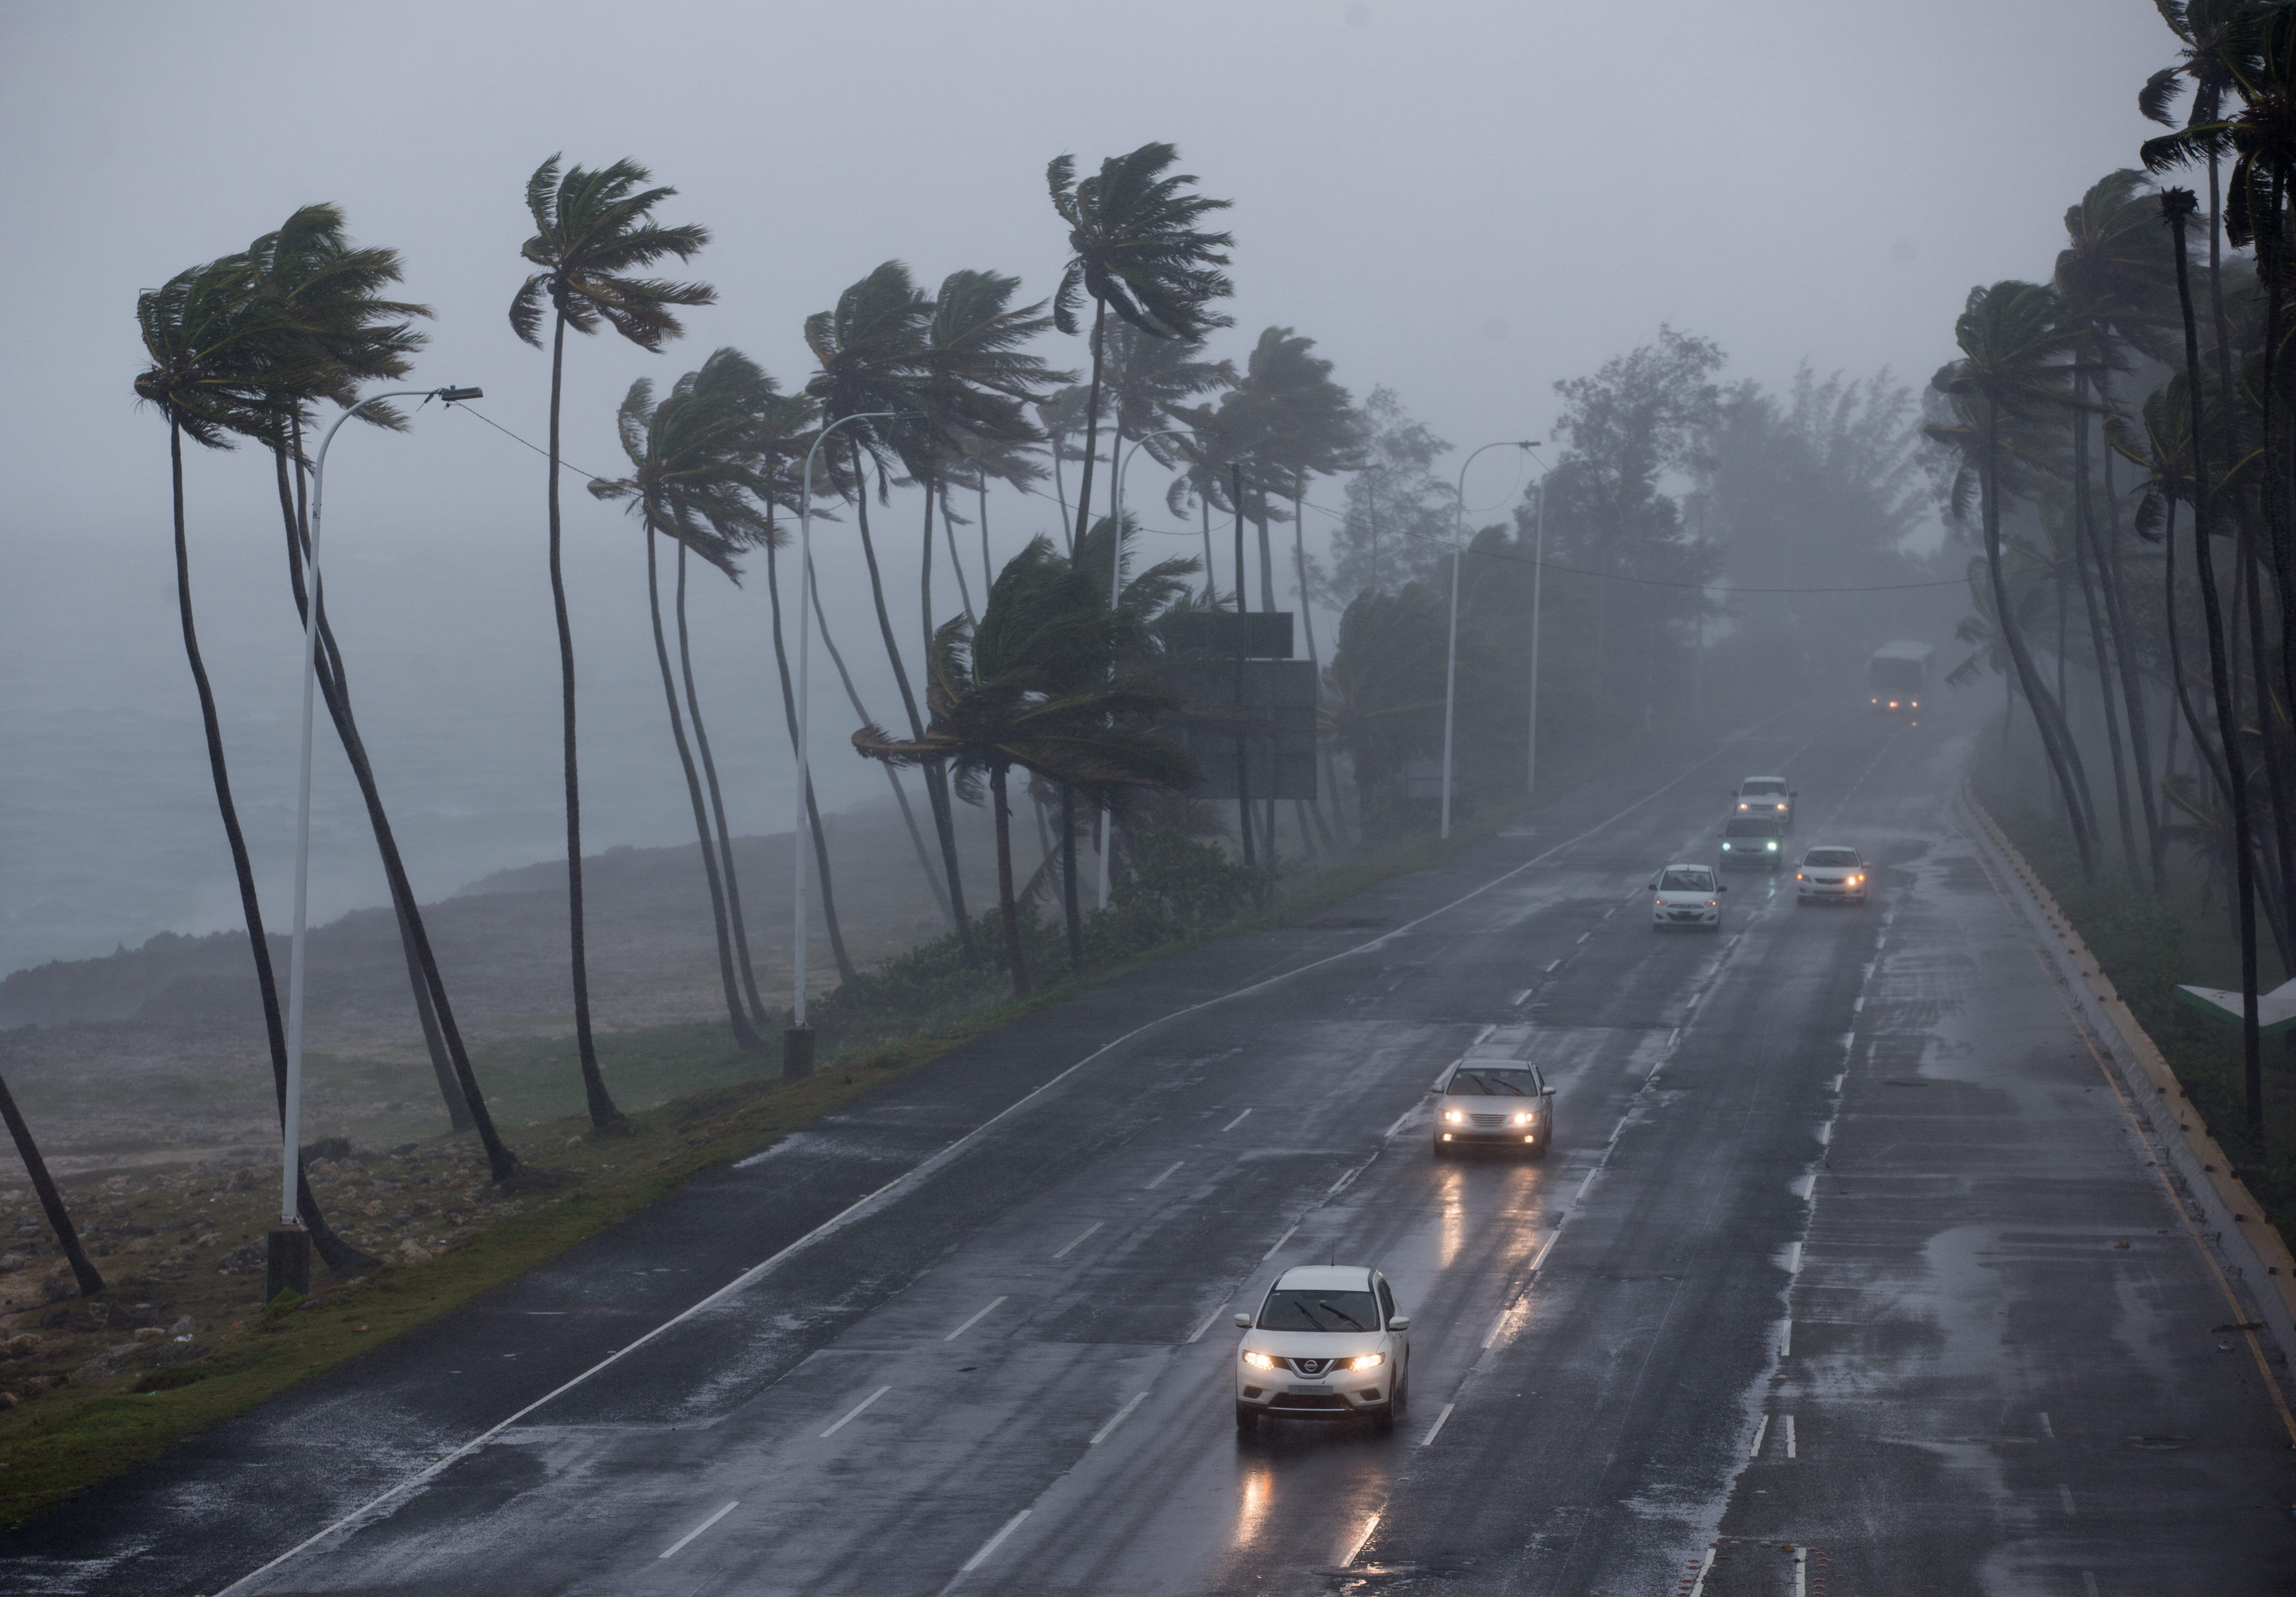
column 1765, row 796
column 1897, row 677
column 1831, row 876
column 1686, row 898
column 1327, row 1344
column 1754, row 842
column 1496, row 1102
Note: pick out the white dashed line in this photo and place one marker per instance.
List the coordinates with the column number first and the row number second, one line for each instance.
column 854, row 1412
column 1436, row 1429
column 1160, row 1180
column 2065, row 1496
column 1280, row 1241
column 1760, row 1431
column 1207, row 1324
column 1553, row 966
column 1238, row 1121
column 995, row 1541
column 1516, row 1002
column 1785, row 1341
column 1790, row 1437
column 1101, row 1435
column 1362, row 1541
column 2047, row 1429
column 674, row 1548
column 1793, row 1258
column 1063, row 1253
column 993, row 1302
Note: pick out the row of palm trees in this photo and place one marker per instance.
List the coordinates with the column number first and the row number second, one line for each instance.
column 938, row 393
column 2161, row 344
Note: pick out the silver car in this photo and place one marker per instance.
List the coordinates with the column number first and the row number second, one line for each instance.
column 1830, row 874
column 1496, row 1103
column 1686, row 897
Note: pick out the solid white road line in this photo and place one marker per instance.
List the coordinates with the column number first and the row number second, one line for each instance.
column 1101, row 1435
column 854, row 1412
column 1161, row 1180
column 1280, row 1241
column 1238, row 1121
column 674, row 1548
column 993, row 1302
column 1207, row 1324
column 995, row 1541
column 1704, row 1565
column 917, row 1175
column 1790, row 1438
column 1063, row 1253
column 1761, row 1430
column 1802, row 1572
column 1436, row 1429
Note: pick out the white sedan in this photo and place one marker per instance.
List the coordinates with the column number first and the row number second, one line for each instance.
column 1327, row 1344
column 1687, row 895
column 1831, row 875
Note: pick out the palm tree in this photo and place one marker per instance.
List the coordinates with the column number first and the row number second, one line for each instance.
column 331, row 292
column 51, row 1201
column 1001, row 698
column 1134, row 247
column 2177, row 208
column 1062, row 417
column 2216, row 36
column 2015, row 366
column 696, row 461
column 591, row 229
column 1147, row 378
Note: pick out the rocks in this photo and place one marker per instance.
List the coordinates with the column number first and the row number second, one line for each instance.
column 242, row 1181
column 9, row 1263
column 182, row 1328
column 243, row 1260
column 21, row 1345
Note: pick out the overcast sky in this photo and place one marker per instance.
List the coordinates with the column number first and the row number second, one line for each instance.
column 1464, row 202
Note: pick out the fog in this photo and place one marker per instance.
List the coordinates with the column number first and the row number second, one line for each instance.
column 1462, row 202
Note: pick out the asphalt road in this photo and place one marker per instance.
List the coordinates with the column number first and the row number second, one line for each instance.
column 1824, row 1288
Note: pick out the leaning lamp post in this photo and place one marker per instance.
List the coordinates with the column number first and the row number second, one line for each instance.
column 289, row 1263
column 1451, row 653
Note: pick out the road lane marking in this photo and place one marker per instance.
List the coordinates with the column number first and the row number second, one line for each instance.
column 993, row 1302
column 1063, row 1253
column 1207, row 1324
column 1280, row 1241
column 1591, row 1174
column 1704, row 1565
column 1498, row 1325
column 1761, row 1430
column 1436, row 1429
column 1362, row 1541
column 917, row 1175
column 1802, row 1572
column 1547, row 1248
column 1160, row 1180
column 2065, row 1496
column 1516, row 1002
column 1101, row 1435
column 1553, row 966
column 995, row 1541
column 1238, row 1121
column 674, row 1548
column 2047, row 1429
column 2088, row 1582
column 1790, row 1437
column 1793, row 1258
column 1785, row 1342
column 854, row 1412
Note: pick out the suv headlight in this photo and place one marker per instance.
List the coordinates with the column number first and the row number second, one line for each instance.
column 1259, row 1361
column 1771, row 845
column 1454, row 1117
column 1369, row 1360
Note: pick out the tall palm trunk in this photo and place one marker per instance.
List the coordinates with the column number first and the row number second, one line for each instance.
column 2132, row 680
column 338, row 1255
column 1243, row 747
column 2063, row 759
column 51, row 1201
column 1061, row 490
column 1008, row 909
column 734, row 919
column 603, row 1116
column 1071, row 915
column 812, row 808
column 1211, row 584
column 1316, row 664
column 334, row 686
column 936, row 774
column 1091, row 433
column 2219, row 675
column 925, row 615
column 744, row 1034
column 2211, row 759
column 987, row 575
column 955, row 562
column 2099, row 639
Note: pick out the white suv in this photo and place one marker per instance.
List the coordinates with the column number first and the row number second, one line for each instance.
column 1327, row 1344
column 1766, row 797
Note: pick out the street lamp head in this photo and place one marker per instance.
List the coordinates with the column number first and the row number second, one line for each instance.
column 452, row 394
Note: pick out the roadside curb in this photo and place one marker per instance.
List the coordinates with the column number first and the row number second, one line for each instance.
column 2251, row 1250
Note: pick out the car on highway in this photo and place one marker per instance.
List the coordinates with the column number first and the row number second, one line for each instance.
column 1764, row 796
column 1753, row 842
column 1326, row 1343
column 1688, row 895
column 1494, row 1103
column 1831, row 875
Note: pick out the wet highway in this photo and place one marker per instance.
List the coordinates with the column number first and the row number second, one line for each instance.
column 1830, row 1252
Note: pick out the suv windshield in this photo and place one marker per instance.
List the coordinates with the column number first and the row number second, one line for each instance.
column 1492, row 1081
column 1752, row 827
column 1761, row 789
column 1319, row 1311
column 1686, row 881
column 1831, row 856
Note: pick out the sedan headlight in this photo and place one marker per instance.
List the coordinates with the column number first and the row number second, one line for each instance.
column 1454, row 1117
column 1369, row 1360
column 1856, row 881
column 1525, row 1117
column 1713, row 903
column 1259, row 1361
column 1660, row 902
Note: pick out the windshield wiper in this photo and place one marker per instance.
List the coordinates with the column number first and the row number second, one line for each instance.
column 1342, row 1313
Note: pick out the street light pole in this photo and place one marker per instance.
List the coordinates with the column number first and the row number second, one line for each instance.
column 796, row 1040
column 290, row 1249
column 1538, row 583
column 1115, row 597
column 1451, row 655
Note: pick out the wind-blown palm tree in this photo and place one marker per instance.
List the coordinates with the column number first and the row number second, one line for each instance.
column 592, row 231
column 1135, row 248
column 697, row 463
column 2015, row 369
column 1001, row 698
column 51, row 1201
column 1147, row 377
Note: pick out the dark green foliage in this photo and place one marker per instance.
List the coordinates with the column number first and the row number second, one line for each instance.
column 1175, row 882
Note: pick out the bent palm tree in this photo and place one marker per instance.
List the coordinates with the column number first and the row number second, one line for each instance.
column 1134, row 247
column 697, row 459
column 591, row 231
column 999, row 700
